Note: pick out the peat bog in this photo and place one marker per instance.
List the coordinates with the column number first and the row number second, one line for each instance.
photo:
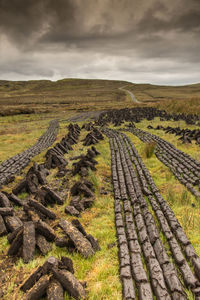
column 100, row 196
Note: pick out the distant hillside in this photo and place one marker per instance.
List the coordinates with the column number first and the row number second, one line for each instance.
column 43, row 96
column 66, row 94
column 152, row 93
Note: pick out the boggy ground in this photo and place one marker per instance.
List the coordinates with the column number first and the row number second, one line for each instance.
column 102, row 270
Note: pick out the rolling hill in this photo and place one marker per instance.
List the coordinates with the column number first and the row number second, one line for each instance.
column 45, row 96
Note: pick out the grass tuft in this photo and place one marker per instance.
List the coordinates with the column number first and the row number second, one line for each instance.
column 149, row 149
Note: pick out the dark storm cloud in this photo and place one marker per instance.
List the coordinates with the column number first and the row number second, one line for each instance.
column 23, row 20
column 152, row 22
column 102, row 38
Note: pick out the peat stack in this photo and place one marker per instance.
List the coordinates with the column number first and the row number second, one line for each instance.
column 52, row 279
column 82, row 198
column 55, row 156
column 90, row 139
column 74, row 131
column 76, row 238
column 31, row 235
column 93, row 137
column 47, row 196
column 88, row 126
column 35, row 176
column 86, row 162
column 84, row 187
column 8, row 220
column 42, row 211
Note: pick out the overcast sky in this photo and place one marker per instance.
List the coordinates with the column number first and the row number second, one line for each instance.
column 136, row 40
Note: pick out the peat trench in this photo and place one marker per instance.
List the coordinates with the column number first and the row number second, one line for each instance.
column 16, row 163
column 155, row 256
column 32, row 226
column 185, row 168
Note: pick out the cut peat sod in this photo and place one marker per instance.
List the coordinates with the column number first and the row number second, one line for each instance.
column 51, row 279
column 143, row 256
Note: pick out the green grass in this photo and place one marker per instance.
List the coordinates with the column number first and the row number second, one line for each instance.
column 149, row 149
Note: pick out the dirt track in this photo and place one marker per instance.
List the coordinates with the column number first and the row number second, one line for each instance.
column 131, row 94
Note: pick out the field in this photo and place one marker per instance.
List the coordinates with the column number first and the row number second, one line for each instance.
column 28, row 107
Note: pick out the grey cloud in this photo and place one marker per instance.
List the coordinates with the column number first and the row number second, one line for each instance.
column 119, row 39
column 187, row 22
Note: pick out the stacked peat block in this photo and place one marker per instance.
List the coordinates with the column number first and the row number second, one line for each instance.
column 86, row 162
column 30, row 230
column 75, row 238
column 82, row 198
column 52, row 279
column 8, row 220
column 33, row 233
column 48, row 197
column 73, row 134
column 82, row 191
column 39, row 209
column 93, row 137
column 88, row 126
column 36, row 175
column 55, row 156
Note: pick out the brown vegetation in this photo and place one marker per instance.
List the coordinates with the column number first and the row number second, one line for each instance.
column 190, row 106
column 45, row 96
